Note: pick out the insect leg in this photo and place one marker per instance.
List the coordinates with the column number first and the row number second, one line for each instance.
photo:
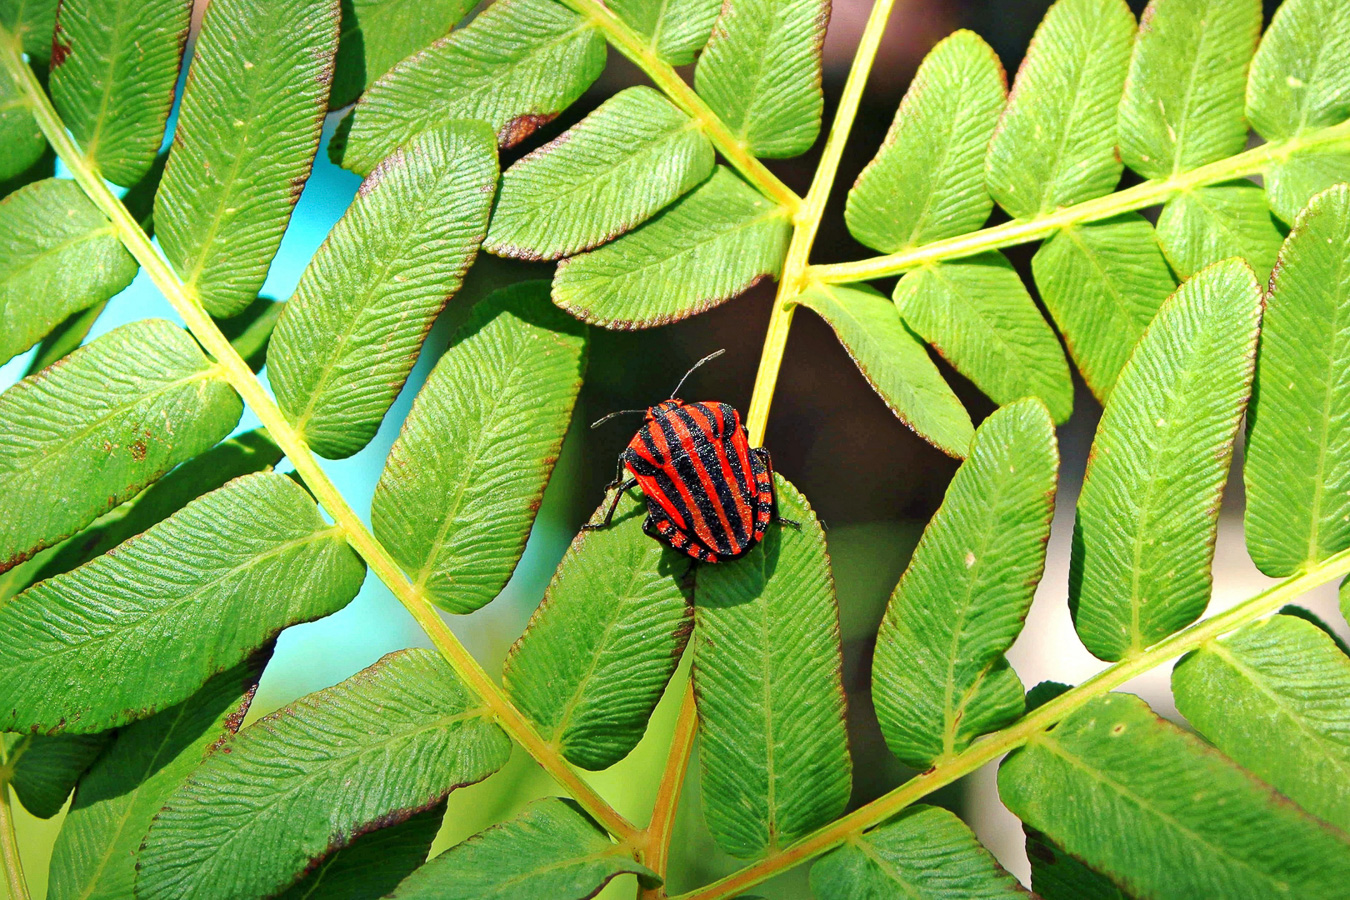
column 766, row 488
column 614, row 503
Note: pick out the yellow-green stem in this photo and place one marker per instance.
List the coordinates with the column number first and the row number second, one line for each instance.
column 241, row 378
column 663, row 75
column 1141, row 196
column 9, row 841
column 993, row 746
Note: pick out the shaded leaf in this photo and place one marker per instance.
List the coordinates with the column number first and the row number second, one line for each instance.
column 58, row 255
column 1297, row 470
column 550, row 849
column 712, row 245
column 617, row 168
column 233, row 175
column 64, row 338
column 925, row 853
column 1102, row 282
column 1300, row 76
column 978, row 315
column 1056, row 142
column 81, row 437
column 675, row 30
column 391, row 741
column 600, row 649
column 760, row 73
column 352, row 332
column 1207, row 224
column 113, row 81
column 251, row 331
column 1292, row 182
column 516, row 67
column 32, row 22
column 376, row 34
column 1307, row 615
column 46, row 767
column 458, row 495
column 927, row 180
column 95, row 854
column 894, row 363
column 142, row 628
column 1056, row 875
column 1272, row 698
column 773, row 748
column 21, row 140
column 1134, row 797
column 939, row 679
column 374, row 864
column 1184, row 95
column 1147, row 514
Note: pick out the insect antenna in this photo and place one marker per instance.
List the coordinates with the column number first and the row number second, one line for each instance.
column 709, row 358
column 623, row 412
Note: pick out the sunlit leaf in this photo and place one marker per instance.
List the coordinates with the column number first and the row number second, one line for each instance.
column 113, row 76
column 1056, row 142
column 760, row 73
column 1102, row 282
column 1292, row 182
column 46, row 766
column 773, row 749
column 1297, row 473
column 303, row 782
column 351, row 333
column 1184, row 95
column 1148, row 511
column 894, row 363
column 64, row 338
column 938, row 674
column 81, row 437
column 32, row 22
column 58, row 255
column 712, row 245
column 614, row 170
column 138, row 630
column 927, row 180
column 516, row 67
column 1300, row 77
column 978, row 315
column 599, row 650
column 549, row 849
column 374, row 864
column 1207, row 224
column 675, row 29
column 1156, row 809
column 234, row 175
column 457, row 497
column 376, row 34
column 1056, row 875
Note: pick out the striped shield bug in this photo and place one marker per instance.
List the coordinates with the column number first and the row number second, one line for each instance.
column 709, row 493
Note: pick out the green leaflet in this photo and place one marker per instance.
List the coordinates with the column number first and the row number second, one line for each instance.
column 712, row 245
column 925, row 853
column 96, row 851
column 64, row 338
column 79, row 438
column 773, row 748
column 1147, row 514
column 114, row 76
column 1207, row 224
column 1056, row 142
column 21, row 140
column 978, row 315
column 1183, row 97
column 233, row 176
column 939, row 679
column 1297, row 472
column 1272, row 698
column 373, row 864
column 894, row 363
column 1292, row 182
column 32, row 21
column 1056, row 875
column 58, row 255
column 549, row 850
column 47, row 766
column 458, row 494
column 613, row 171
column 1134, row 797
column 376, row 34
column 1300, row 76
column 516, row 67
column 390, row 741
column 1102, row 283
column 675, row 29
column 760, row 73
column 926, row 182
column 251, row 331
column 351, row 334
column 599, row 650
column 138, row 630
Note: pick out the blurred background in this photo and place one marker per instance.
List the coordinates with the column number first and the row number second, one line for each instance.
column 872, row 481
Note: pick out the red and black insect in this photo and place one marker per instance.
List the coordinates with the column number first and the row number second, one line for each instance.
column 709, row 493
